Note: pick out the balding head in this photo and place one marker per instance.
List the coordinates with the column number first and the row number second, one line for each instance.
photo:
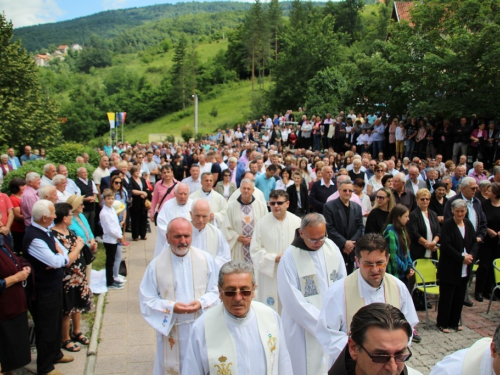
column 200, row 214
column 179, row 236
column 181, row 192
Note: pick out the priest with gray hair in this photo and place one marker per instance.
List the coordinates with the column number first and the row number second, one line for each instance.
column 305, row 272
column 239, row 336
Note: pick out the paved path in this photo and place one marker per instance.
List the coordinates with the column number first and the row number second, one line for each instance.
column 127, row 342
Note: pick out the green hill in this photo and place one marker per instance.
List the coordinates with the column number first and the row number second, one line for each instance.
column 112, row 23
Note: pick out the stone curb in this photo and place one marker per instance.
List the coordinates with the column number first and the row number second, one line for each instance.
column 94, row 340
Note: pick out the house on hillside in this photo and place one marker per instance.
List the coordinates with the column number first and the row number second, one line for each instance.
column 76, row 47
column 63, row 48
column 401, row 11
column 41, row 60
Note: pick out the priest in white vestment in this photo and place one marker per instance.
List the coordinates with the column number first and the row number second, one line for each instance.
column 482, row 358
column 271, row 236
column 241, row 217
column 307, row 268
column 239, row 336
column 178, row 286
column 368, row 284
column 173, row 208
column 257, row 194
column 218, row 203
column 206, row 236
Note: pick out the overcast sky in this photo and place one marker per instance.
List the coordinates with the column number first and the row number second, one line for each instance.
column 33, row 12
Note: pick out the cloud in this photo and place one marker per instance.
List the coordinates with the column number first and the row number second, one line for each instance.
column 30, row 12
column 114, row 4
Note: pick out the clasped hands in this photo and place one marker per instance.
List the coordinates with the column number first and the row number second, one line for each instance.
column 187, row 308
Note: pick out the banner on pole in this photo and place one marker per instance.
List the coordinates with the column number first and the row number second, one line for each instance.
column 120, row 118
column 111, row 118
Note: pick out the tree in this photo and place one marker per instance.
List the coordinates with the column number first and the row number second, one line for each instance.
column 180, row 72
column 275, row 21
column 28, row 116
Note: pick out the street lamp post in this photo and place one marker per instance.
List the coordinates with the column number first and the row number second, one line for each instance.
column 195, row 96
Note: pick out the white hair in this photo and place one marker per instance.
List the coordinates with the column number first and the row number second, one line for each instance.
column 466, row 181
column 180, row 184
column 247, row 181
column 47, row 166
column 41, row 208
column 400, row 176
column 31, row 176
column 45, row 191
column 58, row 179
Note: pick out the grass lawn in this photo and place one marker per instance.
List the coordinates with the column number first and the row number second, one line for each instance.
column 232, row 104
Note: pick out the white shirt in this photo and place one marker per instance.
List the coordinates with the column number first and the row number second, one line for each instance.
column 453, row 364
column 223, row 251
column 110, row 225
column 192, row 184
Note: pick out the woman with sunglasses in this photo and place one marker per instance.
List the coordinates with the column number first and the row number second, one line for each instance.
column 375, row 183
column 384, row 203
column 424, row 228
column 122, row 196
column 225, row 187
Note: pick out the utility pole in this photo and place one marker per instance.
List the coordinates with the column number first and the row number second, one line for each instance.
column 195, row 96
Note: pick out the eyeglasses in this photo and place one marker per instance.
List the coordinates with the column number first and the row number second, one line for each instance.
column 117, row 182
column 425, row 199
column 233, row 293
column 380, row 197
column 318, row 240
column 377, row 265
column 277, row 203
column 400, row 358
column 474, row 188
column 379, row 170
column 347, row 191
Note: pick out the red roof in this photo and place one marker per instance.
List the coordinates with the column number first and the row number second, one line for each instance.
column 62, row 46
column 401, row 11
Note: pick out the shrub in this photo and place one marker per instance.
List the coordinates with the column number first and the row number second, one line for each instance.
column 213, row 112
column 170, row 138
column 67, row 153
column 37, row 166
column 187, row 133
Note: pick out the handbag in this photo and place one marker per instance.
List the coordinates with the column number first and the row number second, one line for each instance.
column 123, row 268
column 88, row 255
column 147, row 204
column 167, row 193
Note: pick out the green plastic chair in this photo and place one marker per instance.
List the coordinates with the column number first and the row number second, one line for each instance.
column 496, row 271
column 426, row 281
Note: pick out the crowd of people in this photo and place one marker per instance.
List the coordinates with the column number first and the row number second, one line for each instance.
column 273, row 238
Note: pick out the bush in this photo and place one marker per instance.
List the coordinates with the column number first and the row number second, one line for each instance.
column 37, row 166
column 187, row 133
column 67, row 153
column 170, row 138
column 213, row 112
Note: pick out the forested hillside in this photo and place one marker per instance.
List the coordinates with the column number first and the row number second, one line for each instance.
column 245, row 60
column 113, row 23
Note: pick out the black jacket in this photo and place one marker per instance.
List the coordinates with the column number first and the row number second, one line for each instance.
column 338, row 228
column 481, row 224
column 416, row 228
column 304, row 198
column 452, row 247
column 320, row 193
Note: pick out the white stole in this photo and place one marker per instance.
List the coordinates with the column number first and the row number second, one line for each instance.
column 474, row 356
column 212, row 240
column 166, row 282
column 221, row 351
column 355, row 301
column 310, row 290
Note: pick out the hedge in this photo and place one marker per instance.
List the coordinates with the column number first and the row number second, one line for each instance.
column 67, row 153
column 37, row 166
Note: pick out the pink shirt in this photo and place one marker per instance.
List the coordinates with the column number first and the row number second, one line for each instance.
column 354, row 198
column 158, row 193
column 28, row 199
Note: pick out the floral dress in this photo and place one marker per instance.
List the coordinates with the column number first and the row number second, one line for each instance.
column 76, row 291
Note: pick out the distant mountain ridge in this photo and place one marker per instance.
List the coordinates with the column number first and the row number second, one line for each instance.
column 111, row 23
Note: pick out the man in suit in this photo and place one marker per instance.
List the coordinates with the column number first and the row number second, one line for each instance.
column 413, row 183
column 344, row 222
column 322, row 189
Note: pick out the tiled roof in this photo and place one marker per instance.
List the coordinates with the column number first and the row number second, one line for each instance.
column 402, row 11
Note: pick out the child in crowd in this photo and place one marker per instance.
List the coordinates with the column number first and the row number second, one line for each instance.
column 112, row 236
column 400, row 140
